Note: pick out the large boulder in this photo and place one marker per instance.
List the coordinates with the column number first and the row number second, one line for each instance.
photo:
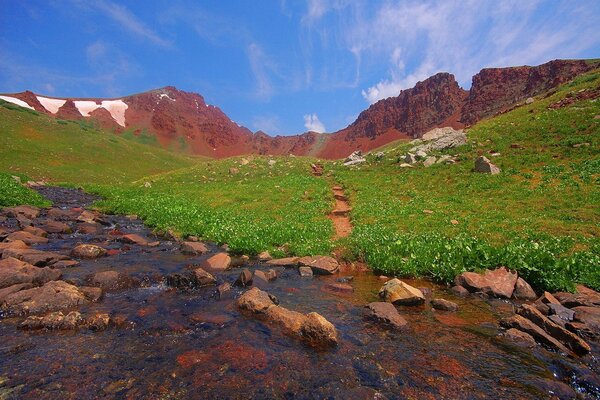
column 398, row 292
column 13, row 272
column 89, row 251
column 483, row 165
column 387, row 314
column 38, row 258
column 497, row 283
column 445, row 140
column 53, row 296
column 320, row 265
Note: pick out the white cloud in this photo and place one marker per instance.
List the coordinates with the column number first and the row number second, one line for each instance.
column 312, row 123
column 267, row 123
column 260, row 66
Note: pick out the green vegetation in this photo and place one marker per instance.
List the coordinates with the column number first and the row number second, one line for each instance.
column 74, row 151
column 12, row 193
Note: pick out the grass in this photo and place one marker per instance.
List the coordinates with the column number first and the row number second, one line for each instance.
column 75, row 151
column 12, row 193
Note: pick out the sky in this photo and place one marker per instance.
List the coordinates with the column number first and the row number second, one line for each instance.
column 281, row 66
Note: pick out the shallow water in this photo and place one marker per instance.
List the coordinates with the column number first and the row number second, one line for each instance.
column 193, row 345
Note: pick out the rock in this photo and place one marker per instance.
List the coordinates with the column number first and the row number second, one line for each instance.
column 454, row 222
column 38, row 258
column 220, row 261
column 86, row 228
column 529, row 100
column 445, row 159
column 405, row 165
column 398, row 292
column 498, row 283
column 26, row 237
column 420, row 155
column 133, row 238
column 520, row 337
column 459, row 291
column 387, row 314
column 35, row 231
column 92, row 294
column 266, row 276
column 548, row 298
column 191, row 279
column 112, row 280
column 444, row 305
column 318, row 331
column 525, row 325
column 429, row 161
column 245, row 278
column 483, row 165
column 58, row 214
column 290, row 320
column 56, row 227
column 264, row 256
column 55, row 320
column 561, row 312
column 223, row 289
column 239, row 261
column 17, row 244
column 193, row 248
column 339, row 287
column 589, row 317
column 88, row 251
column 523, row 291
column 14, row 271
column 354, row 158
column 53, row 296
column 570, row 340
column 305, row 271
column 410, row 158
column 255, row 301
column 28, row 212
column 233, row 171
column 320, row 265
column 450, row 139
column 13, row 289
column 284, row 262
column 98, row 322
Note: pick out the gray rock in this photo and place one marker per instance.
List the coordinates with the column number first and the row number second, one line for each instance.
column 448, row 140
column 410, row 158
column 485, row 166
column 354, row 158
column 429, row 161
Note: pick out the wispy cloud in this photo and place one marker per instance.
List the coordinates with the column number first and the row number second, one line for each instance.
column 312, row 123
column 260, row 66
column 267, row 123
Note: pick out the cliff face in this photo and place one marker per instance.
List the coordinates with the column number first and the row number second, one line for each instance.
column 183, row 120
column 497, row 89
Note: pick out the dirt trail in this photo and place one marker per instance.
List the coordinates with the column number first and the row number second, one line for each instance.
column 339, row 215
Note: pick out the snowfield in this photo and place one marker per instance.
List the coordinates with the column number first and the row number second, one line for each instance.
column 16, row 101
column 52, row 105
column 116, row 108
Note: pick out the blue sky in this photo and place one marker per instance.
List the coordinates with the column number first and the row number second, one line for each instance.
column 280, row 66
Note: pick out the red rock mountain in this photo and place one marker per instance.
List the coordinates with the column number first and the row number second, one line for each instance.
column 183, row 120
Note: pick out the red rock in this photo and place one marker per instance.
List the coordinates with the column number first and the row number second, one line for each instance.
column 398, row 292
column 318, row 331
column 290, row 320
column 220, row 261
column 53, row 296
column 35, row 231
column 28, row 212
column 523, row 291
column 13, row 272
column 133, row 238
column 387, row 314
column 444, row 305
column 38, row 258
column 112, row 280
column 320, row 265
column 56, row 227
column 193, row 248
column 88, row 251
column 525, row 325
column 245, row 278
column 17, row 244
column 266, row 276
column 13, row 289
column 499, row 282
column 284, row 262
column 87, row 228
column 28, row 238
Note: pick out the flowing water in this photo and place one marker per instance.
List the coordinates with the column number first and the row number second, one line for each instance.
column 192, row 344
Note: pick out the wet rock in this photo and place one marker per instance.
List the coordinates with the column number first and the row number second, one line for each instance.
column 239, row 261
column 13, row 289
column 92, row 294
column 339, row 287
column 14, row 271
column 65, row 264
column 35, row 231
column 26, row 237
column 112, row 280
column 318, row 331
column 459, row 291
column 245, row 278
column 498, row 283
column 305, row 271
column 88, row 251
column 98, row 322
column 266, row 276
column 444, row 305
column 398, row 292
column 524, row 291
column 588, row 320
column 28, row 212
column 223, row 290
column 17, row 244
column 387, row 314
column 320, row 265
column 561, row 312
column 91, row 217
column 133, row 238
column 288, row 319
column 520, row 337
column 255, row 301
column 53, row 296
column 58, row 214
column 483, row 165
column 525, row 325
column 193, row 248
column 56, row 227
column 53, row 321
column 38, row 258
column 284, row 262
column 220, row 261
column 570, row 340
column 264, row 256
column 191, row 279
column 86, row 228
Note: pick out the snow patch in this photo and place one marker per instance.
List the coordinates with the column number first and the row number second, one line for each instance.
column 116, row 108
column 16, row 101
column 163, row 95
column 51, row 105
column 85, row 107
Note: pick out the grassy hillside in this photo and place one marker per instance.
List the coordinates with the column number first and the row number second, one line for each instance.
column 75, row 152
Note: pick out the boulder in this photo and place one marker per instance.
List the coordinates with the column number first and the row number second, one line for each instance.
column 483, row 165
column 290, row 320
column 569, row 339
column 305, row 271
column 244, row 279
column 53, row 296
column 354, row 158
column 429, row 161
column 193, row 248
column 525, row 325
column 320, row 265
column 523, row 291
column 447, row 140
column 444, row 305
column 88, row 251
column 28, row 212
column 220, row 261
column 498, row 283
column 398, row 292
column 284, row 262
column 255, row 301
column 56, row 227
column 318, row 331
column 387, row 314
column 38, row 258
column 14, row 271
column 26, row 237
column 112, row 280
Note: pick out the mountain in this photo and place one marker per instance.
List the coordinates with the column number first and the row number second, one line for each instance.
column 183, row 121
